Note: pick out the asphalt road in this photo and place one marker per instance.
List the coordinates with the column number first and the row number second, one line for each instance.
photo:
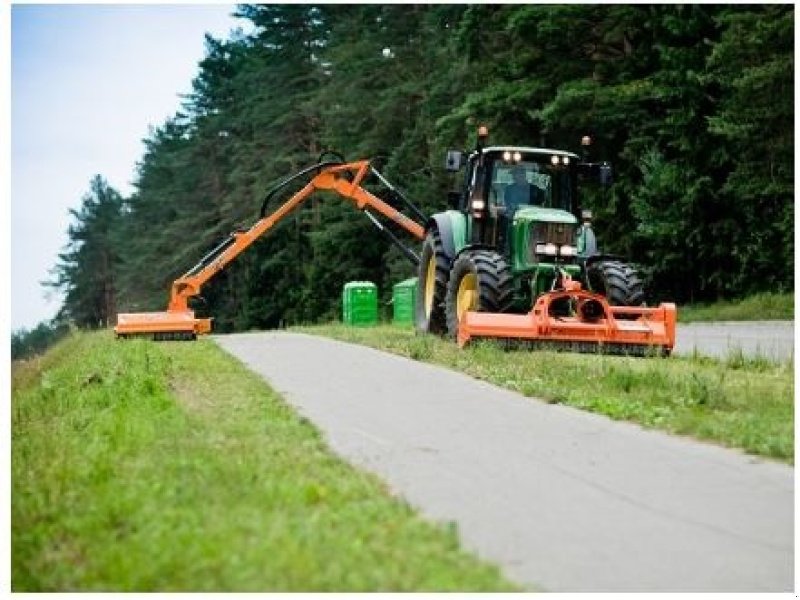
column 771, row 339
column 561, row 499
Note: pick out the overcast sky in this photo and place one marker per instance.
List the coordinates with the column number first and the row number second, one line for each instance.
column 86, row 83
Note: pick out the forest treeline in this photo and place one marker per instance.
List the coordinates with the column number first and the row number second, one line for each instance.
column 692, row 104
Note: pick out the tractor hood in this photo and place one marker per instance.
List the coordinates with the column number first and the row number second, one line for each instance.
column 536, row 225
column 540, row 214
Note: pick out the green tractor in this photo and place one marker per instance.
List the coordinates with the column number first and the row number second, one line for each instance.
column 515, row 232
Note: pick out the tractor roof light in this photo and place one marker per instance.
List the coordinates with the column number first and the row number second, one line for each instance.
column 586, row 215
column 554, row 159
column 565, row 160
column 517, row 157
column 586, row 141
column 507, row 156
column 483, row 135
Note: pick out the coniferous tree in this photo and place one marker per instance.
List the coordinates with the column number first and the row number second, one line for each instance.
column 86, row 272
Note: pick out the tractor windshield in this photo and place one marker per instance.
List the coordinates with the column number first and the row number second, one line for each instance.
column 530, row 183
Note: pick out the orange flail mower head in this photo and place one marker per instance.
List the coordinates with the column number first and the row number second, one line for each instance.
column 591, row 325
column 169, row 325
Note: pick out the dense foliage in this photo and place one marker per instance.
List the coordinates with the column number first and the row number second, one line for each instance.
column 693, row 104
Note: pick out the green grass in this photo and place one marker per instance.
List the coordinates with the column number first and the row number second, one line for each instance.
column 760, row 307
column 739, row 402
column 139, row 466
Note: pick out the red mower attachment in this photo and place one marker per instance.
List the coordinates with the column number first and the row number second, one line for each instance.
column 589, row 324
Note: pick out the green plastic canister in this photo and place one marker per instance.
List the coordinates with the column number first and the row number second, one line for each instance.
column 360, row 303
column 403, row 297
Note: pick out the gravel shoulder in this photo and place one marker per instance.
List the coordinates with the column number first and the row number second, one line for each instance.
column 561, row 499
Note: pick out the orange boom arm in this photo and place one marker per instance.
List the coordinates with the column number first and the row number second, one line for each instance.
column 179, row 322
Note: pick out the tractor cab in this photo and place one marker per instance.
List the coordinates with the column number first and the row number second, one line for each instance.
column 523, row 202
column 518, row 178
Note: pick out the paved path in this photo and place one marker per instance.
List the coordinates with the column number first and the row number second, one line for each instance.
column 772, row 339
column 561, row 499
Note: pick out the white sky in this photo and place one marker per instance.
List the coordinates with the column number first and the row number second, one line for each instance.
column 86, row 83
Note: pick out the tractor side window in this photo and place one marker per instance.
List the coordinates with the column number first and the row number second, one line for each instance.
column 500, row 179
column 563, row 190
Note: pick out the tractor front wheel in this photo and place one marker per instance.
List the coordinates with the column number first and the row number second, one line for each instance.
column 479, row 281
column 618, row 282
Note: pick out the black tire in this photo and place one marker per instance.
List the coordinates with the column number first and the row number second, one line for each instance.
column 618, row 282
column 434, row 270
column 493, row 286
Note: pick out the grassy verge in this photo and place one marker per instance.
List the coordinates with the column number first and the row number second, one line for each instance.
column 761, row 307
column 739, row 402
column 170, row 467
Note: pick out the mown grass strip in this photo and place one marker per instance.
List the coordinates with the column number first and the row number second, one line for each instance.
column 739, row 402
column 139, row 467
column 767, row 306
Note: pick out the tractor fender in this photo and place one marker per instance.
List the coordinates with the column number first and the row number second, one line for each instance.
column 452, row 229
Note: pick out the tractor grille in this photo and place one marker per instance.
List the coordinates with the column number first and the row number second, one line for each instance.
column 550, row 233
column 555, row 233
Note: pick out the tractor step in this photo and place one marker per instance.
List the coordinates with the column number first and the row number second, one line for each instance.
column 161, row 326
column 594, row 326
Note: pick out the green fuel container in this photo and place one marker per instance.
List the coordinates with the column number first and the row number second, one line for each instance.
column 360, row 303
column 403, row 297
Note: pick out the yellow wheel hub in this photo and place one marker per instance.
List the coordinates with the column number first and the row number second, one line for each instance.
column 430, row 285
column 467, row 297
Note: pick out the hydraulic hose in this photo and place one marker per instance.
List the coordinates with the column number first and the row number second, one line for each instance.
column 300, row 174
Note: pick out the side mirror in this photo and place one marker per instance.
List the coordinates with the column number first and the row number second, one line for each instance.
column 605, row 175
column 453, row 160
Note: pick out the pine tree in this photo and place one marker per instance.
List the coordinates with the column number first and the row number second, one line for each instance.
column 86, row 272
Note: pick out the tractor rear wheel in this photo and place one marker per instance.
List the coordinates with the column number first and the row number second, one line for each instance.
column 434, row 270
column 479, row 281
column 618, row 282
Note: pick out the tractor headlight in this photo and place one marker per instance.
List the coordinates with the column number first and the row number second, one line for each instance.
column 548, row 249
column 478, row 204
column 567, row 250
